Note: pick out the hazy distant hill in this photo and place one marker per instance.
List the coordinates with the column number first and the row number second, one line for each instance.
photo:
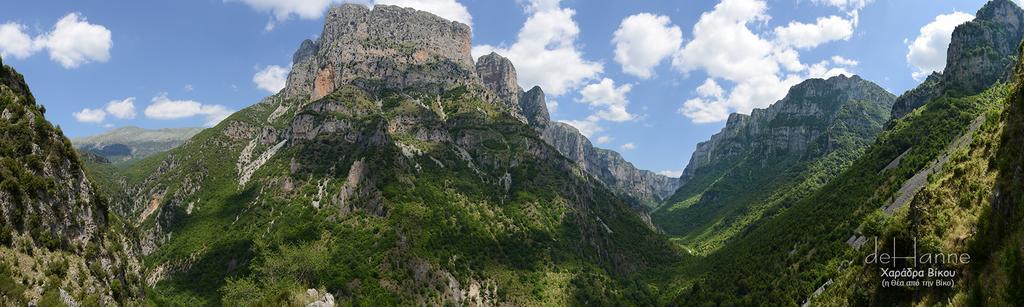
column 129, row 143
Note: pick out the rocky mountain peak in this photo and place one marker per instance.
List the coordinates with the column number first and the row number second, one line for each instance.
column 535, row 108
column 379, row 48
column 981, row 52
column 790, row 125
column 499, row 75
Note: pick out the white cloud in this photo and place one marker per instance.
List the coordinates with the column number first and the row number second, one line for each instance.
column 587, row 126
column 15, row 42
column 73, row 41
column 927, row 53
column 90, row 115
column 282, row 10
column 552, row 105
column 627, row 146
column 845, row 4
column 271, row 78
column 710, row 88
column 671, row 173
column 545, row 53
column 804, row 35
column 447, row 9
column 164, row 108
column 844, row 61
column 610, row 99
column 760, row 70
column 123, row 109
column 604, row 139
column 644, row 40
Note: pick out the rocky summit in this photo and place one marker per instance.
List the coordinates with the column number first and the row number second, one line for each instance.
column 981, row 53
column 772, row 158
column 390, row 152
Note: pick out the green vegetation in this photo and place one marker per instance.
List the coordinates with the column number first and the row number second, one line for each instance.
column 432, row 221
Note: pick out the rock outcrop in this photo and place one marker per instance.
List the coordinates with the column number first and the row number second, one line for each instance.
column 386, row 47
column 791, row 125
column 981, row 52
column 53, row 221
column 642, row 187
column 760, row 162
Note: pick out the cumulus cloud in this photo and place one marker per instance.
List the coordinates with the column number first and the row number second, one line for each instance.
column 760, row 67
column 164, row 108
column 627, row 146
column 587, row 126
column 845, row 4
column 271, row 78
column 927, row 53
column 604, row 139
column 15, row 42
column 552, row 105
column 123, row 109
column 282, row 10
column 73, row 41
column 839, row 60
column 609, row 99
column 805, row 35
column 644, row 40
column 545, row 52
column 87, row 115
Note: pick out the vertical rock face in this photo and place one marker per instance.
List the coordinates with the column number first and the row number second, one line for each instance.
column 535, row 108
column 761, row 161
column 981, row 52
column 499, row 75
column 642, row 187
column 51, row 214
column 790, row 126
column 387, row 47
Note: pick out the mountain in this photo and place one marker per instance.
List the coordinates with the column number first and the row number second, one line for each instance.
column 762, row 163
column 388, row 171
column 133, row 143
column 58, row 242
column 981, row 53
column 645, row 189
column 943, row 179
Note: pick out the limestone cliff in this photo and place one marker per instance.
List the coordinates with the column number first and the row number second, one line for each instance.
column 981, row 52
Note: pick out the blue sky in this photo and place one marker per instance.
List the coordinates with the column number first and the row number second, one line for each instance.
column 640, row 77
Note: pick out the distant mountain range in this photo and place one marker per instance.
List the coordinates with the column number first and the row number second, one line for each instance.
column 133, row 143
column 393, row 169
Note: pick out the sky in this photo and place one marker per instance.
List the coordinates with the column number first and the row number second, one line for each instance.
column 649, row 79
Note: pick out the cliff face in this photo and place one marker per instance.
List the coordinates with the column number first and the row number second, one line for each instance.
column 391, row 151
column 772, row 157
column 981, row 53
column 53, row 222
column 643, row 188
column 793, row 125
column 387, row 47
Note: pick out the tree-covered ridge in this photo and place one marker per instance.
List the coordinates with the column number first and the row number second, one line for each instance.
column 762, row 164
column 423, row 197
column 786, row 258
column 55, row 229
